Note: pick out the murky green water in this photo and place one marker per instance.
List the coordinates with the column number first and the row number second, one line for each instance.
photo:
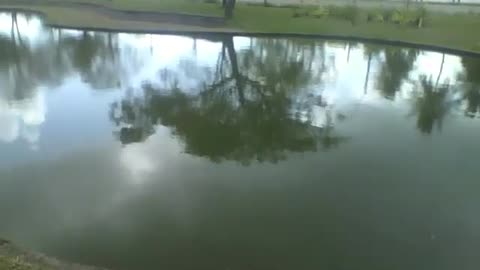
column 168, row 152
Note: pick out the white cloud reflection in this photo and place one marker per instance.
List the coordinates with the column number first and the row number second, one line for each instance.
column 143, row 57
column 153, row 156
column 30, row 28
column 22, row 119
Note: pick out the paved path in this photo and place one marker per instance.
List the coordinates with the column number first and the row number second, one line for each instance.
column 471, row 6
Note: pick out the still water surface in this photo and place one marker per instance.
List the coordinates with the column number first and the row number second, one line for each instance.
column 136, row 151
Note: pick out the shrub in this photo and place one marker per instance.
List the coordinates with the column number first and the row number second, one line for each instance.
column 422, row 12
column 375, row 16
column 350, row 12
column 388, row 14
column 321, row 12
column 399, row 16
column 300, row 12
column 407, row 17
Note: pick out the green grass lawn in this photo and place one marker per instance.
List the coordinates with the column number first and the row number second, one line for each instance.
column 450, row 30
column 180, row 6
column 184, row 6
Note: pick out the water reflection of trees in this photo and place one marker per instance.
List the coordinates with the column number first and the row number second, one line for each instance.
column 257, row 105
column 432, row 104
column 96, row 57
column 250, row 110
column 471, row 85
column 394, row 70
column 434, row 101
column 26, row 64
column 272, row 81
column 15, row 61
column 29, row 63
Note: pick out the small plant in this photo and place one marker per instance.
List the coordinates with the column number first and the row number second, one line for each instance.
column 350, row 12
column 376, row 16
column 321, row 12
column 16, row 263
column 407, row 17
column 397, row 17
column 422, row 12
column 422, row 16
column 300, row 12
column 388, row 14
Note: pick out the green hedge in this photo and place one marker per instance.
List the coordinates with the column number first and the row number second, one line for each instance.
column 351, row 13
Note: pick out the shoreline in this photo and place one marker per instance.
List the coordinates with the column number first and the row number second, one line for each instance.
column 200, row 33
column 15, row 257
column 183, row 30
column 443, row 32
column 122, row 14
column 18, row 258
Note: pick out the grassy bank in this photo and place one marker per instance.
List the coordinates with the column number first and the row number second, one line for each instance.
column 450, row 30
column 17, row 263
column 457, row 31
column 183, row 6
column 179, row 6
column 13, row 257
column 22, row 262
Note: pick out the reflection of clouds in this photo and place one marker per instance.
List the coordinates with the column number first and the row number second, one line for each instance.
column 8, row 125
column 164, row 51
column 430, row 64
column 344, row 84
column 347, row 78
column 144, row 57
column 190, row 59
column 154, row 155
column 30, row 28
column 22, row 119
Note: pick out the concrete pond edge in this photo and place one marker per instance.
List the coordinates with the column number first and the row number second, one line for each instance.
column 230, row 32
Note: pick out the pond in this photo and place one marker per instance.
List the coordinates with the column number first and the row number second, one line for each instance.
column 143, row 151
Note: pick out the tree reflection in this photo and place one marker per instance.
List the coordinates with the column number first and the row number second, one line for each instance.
column 395, row 69
column 256, row 102
column 371, row 52
column 30, row 63
column 471, row 79
column 25, row 65
column 21, row 82
column 95, row 57
column 432, row 104
column 251, row 110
